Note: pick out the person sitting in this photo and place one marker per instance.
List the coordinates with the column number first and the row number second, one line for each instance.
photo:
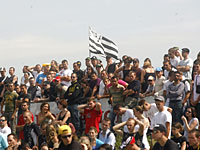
column 31, row 130
column 177, row 128
column 64, row 116
column 130, row 123
column 66, row 139
column 105, row 135
column 190, row 121
column 4, row 126
column 92, row 112
column 96, row 143
column 44, row 113
column 163, row 143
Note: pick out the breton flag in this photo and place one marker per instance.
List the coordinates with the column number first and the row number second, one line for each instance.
column 101, row 45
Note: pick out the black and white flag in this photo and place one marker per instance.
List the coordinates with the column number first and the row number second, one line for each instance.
column 101, row 45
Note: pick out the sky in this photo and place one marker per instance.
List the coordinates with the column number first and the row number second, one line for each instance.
column 38, row 31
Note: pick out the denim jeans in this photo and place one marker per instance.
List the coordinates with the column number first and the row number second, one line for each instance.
column 112, row 119
column 74, row 116
column 176, row 111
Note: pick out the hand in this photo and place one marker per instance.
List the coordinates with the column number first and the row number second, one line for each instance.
column 98, row 97
column 183, row 118
column 35, row 148
column 13, row 116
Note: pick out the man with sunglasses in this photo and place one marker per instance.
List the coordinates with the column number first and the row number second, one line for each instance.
column 163, row 143
column 66, row 138
column 74, row 97
column 4, row 129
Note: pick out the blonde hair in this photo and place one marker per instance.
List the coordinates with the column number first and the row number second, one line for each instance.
column 85, row 140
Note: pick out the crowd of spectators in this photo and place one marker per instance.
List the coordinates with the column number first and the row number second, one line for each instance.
column 142, row 106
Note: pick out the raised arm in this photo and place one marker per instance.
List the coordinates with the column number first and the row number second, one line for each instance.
column 117, row 127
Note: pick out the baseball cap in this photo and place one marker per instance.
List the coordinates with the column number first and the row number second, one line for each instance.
column 185, row 50
column 78, row 63
column 94, row 58
column 88, row 58
column 159, row 98
column 64, row 129
column 57, row 78
column 158, row 69
column 159, row 127
column 150, row 78
column 2, row 69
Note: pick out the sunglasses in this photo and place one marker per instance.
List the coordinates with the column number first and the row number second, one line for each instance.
column 66, row 136
column 155, row 131
column 2, row 120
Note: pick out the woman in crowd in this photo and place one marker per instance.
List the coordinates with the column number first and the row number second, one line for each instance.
column 44, row 113
column 85, row 143
column 124, row 71
column 177, row 128
column 190, row 121
column 52, row 137
column 130, row 123
column 148, row 71
column 89, row 71
column 64, row 116
column 138, row 112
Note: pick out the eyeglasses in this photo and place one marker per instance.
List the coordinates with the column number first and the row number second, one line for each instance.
column 66, row 136
column 2, row 120
column 189, row 111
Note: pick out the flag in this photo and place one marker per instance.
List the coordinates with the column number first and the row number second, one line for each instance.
column 95, row 45
column 101, row 45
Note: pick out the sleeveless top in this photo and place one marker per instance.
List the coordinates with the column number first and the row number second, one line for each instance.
column 62, row 117
column 125, row 73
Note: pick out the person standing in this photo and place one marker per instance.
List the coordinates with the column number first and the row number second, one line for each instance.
column 73, row 96
column 195, row 98
column 132, row 91
column 186, row 64
column 9, row 100
column 175, row 94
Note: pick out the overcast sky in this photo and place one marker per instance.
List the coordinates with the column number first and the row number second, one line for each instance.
column 37, row 31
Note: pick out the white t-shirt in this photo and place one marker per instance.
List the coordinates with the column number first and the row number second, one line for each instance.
column 101, row 88
column 128, row 114
column 152, row 111
column 174, row 61
column 6, row 130
column 64, row 73
column 162, row 118
column 187, row 62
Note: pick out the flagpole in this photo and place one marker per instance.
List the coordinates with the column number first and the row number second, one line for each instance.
column 88, row 43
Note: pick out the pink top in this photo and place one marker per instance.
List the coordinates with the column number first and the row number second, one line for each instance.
column 121, row 82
